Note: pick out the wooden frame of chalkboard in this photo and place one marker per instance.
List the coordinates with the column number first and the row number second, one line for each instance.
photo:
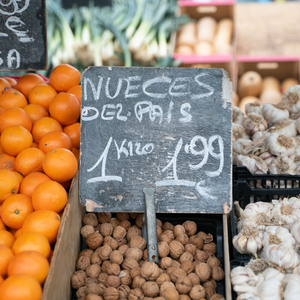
column 165, row 128
column 23, row 36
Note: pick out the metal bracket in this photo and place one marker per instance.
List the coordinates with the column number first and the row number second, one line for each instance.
column 149, row 225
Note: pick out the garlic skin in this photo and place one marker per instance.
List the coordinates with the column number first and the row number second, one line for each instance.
column 273, row 114
column 278, row 235
column 291, row 99
column 249, row 240
column 292, row 287
column 282, row 165
column 252, row 162
column 238, row 132
column 240, row 146
column 253, row 107
column 237, row 115
column 244, row 276
column 285, row 212
column 281, row 145
column 270, row 289
column 281, row 255
column 295, row 231
column 254, row 122
column 272, row 273
column 267, row 157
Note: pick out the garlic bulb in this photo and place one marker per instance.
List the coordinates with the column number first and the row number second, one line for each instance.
column 241, row 145
column 298, row 125
column 253, row 107
column 295, row 231
column 244, row 276
column 273, row 114
column 252, row 162
column 278, row 235
column 247, row 296
column 280, row 145
column 291, row 99
column 267, row 157
column 281, row 255
column 237, row 115
column 272, row 273
column 292, row 286
column 286, row 128
column 285, row 211
column 255, row 122
column 260, row 134
column 259, row 211
column 282, row 165
column 238, row 132
column 249, row 240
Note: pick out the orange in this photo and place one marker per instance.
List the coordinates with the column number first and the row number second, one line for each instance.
column 15, row 209
column 76, row 91
column 2, row 226
column 14, row 139
column 73, row 131
column 45, row 222
column 9, row 184
column 60, row 164
column 27, row 82
column 44, row 126
column 6, row 254
column 31, row 181
column 12, row 98
column 63, row 77
column 65, row 108
column 19, row 176
column 11, row 81
column 34, row 145
column 36, row 112
column 29, row 160
column 49, row 195
column 18, row 233
column 20, row 287
column 15, row 116
column 32, row 241
column 29, row 263
column 53, row 140
column 7, row 161
column 4, row 84
column 42, row 94
column 6, row 238
column 75, row 151
column 1, row 279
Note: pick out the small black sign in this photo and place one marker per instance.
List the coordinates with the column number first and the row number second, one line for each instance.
column 23, row 37
column 166, row 128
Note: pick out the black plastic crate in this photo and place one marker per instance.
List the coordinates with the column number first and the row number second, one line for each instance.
column 209, row 223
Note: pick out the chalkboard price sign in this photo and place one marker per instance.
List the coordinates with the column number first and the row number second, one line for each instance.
column 164, row 128
column 23, row 37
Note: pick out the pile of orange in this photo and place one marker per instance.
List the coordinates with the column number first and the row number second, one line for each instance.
column 39, row 149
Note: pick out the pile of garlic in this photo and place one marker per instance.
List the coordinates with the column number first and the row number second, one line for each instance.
column 271, row 233
column 267, row 137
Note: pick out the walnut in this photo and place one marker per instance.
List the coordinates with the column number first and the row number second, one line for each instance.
column 186, row 256
column 167, row 226
column 116, row 257
column 137, row 242
column 213, row 261
column 163, row 249
column 217, row 273
column 211, row 283
column 106, row 229
column 158, row 231
column 119, row 233
column 183, row 239
column 202, row 234
column 217, row 297
column 190, row 227
column 125, row 277
column 176, row 263
column 123, row 249
column 134, row 253
column 123, row 291
column 94, row 240
column 93, row 297
column 126, row 224
column 81, row 292
column 133, row 231
column 129, row 263
column 208, row 239
column 138, row 282
column 110, row 293
column 178, row 230
column 150, row 289
column 133, row 216
column 94, row 288
column 113, row 280
column 168, row 291
column 102, row 277
column 86, row 230
column 187, row 266
column 197, row 241
column 162, row 278
column 104, row 252
column 190, row 248
column 90, row 219
column 105, row 265
column 135, row 272
column 176, row 249
column 158, row 223
column 139, row 221
column 145, row 254
column 136, row 294
column 95, row 259
column 113, row 269
column 210, row 248
column 167, row 236
column 194, row 278
column 175, row 273
column 201, row 255
column 110, row 241
column 93, row 270
column 197, row 292
column 183, row 285
column 78, row 279
column 86, row 252
column 184, row 297
column 89, row 280
column 166, row 262
column 209, row 291
column 103, row 217
column 83, row 262
column 115, row 222
column 121, row 216
column 149, row 270
column 203, row 270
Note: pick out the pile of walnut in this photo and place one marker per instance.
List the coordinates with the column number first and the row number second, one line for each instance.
column 115, row 265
